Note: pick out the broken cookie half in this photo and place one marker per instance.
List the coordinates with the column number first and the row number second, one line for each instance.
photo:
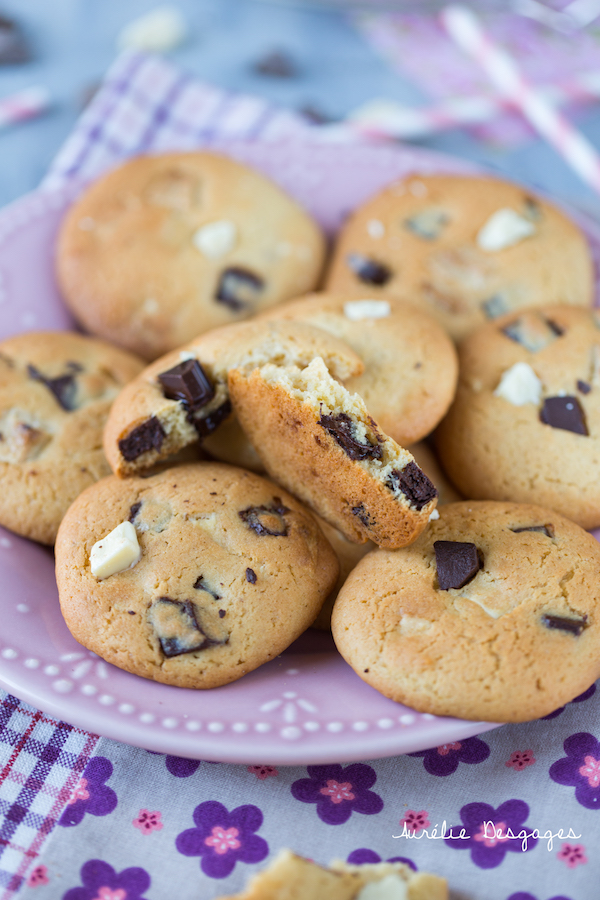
column 320, row 442
column 183, row 397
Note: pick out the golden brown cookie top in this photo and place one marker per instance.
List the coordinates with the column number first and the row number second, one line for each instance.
column 493, row 613
column 213, row 591
column 466, row 249
column 165, row 247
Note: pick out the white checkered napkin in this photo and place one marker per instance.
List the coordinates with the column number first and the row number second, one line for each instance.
column 145, row 104
column 41, row 761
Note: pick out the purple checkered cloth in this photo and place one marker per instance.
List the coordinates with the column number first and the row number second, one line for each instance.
column 145, row 105
column 41, row 762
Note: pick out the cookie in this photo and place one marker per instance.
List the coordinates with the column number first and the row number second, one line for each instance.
column 492, row 614
column 410, row 364
column 56, row 389
column 293, row 877
column 188, row 577
column 183, row 397
column 319, row 440
column 465, row 249
column 166, row 247
column 525, row 424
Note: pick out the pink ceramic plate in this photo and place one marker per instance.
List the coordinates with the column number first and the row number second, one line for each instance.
column 306, row 706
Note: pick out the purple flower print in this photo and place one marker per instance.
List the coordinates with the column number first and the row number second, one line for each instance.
column 486, row 832
column 90, row 795
column 101, row 882
column 580, row 768
column 181, row 767
column 444, row 760
column 362, row 855
column 524, row 895
column 223, row 838
column 585, row 696
column 339, row 792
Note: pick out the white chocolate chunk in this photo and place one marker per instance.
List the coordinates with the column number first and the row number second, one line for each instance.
column 184, row 355
column 494, row 613
column 520, row 385
column 216, row 239
column 118, row 551
column 159, row 30
column 356, row 310
column 434, row 515
column 392, row 887
column 504, row 228
column 375, row 228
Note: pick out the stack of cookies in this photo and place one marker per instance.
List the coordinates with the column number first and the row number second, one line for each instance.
column 267, row 444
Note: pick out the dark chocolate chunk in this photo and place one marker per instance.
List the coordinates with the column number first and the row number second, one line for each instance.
column 238, row 288
column 495, row 306
column 427, row 224
column 176, row 628
column 368, row 270
column 564, row 623
column 414, row 484
column 267, row 520
column 564, row 412
column 222, row 612
column 457, row 563
column 189, row 383
column 63, row 388
column 211, row 422
column 251, row 576
column 201, row 585
column 131, row 612
column 547, row 529
column 147, row 436
column 362, row 515
column 134, row 510
column 584, row 387
column 342, row 429
column 553, row 326
column 276, row 64
column 13, row 46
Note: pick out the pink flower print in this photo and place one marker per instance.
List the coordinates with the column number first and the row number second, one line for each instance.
column 80, row 793
column 106, row 893
column 415, row 821
column 520, row 759
column 38, row 877
column 263, row 772
column 223, row 839
column 148, row 821
column 591, row 771
column 445, row 749
column 337, row 791
column 572, row 854
column 491, row 833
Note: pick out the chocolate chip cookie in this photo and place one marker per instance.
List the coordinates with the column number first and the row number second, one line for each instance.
column 320, row 441
column 56, row 389
column 465, row 249
column 525, row 424
column 410, row 364
column 166, row 247
column 183, row 397
column 192, row 577
column 493, row 614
